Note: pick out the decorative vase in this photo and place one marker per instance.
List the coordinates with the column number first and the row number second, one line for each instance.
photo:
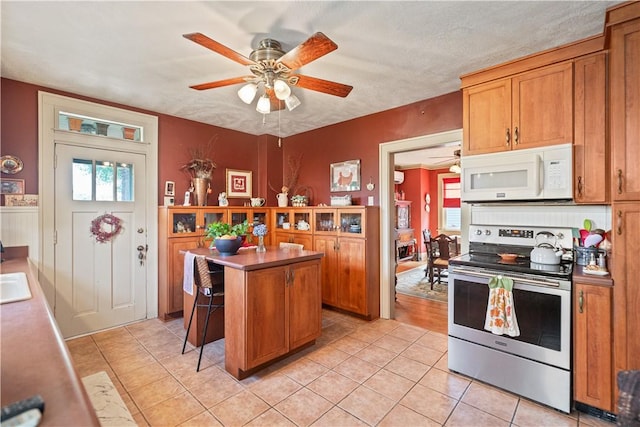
column 201, row 190
column 101, row 128
column 261, row 247
column 283, row 199
column 129, row 133
column 75, row 124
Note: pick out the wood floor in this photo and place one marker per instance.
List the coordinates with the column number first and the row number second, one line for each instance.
column 428, row 314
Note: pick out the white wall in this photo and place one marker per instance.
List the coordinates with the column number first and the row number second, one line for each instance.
column 19, row 227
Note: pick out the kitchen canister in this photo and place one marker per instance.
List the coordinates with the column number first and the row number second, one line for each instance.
column 583, row 255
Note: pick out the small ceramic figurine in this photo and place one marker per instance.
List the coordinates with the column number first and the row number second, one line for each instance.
column 222, row 199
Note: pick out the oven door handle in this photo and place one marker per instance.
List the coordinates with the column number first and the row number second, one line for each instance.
column 515, row 279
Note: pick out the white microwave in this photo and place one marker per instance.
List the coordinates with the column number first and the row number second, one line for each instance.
column 544, row 173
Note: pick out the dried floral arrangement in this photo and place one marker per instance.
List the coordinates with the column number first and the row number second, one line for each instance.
column 290, row 184
column 201, row 164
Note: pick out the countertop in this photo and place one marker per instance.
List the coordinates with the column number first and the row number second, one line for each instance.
column 248, row 259
column 590, row 279
column 35, row 358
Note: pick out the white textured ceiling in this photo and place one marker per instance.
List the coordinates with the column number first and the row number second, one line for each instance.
column 392, row 53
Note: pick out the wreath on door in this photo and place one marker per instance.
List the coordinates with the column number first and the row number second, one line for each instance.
column 101, row 224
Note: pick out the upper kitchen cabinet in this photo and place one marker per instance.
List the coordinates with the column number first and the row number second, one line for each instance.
column 624, row 101
column 530, row 109
column 590, row 144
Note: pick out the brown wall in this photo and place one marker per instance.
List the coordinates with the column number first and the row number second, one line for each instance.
column 354, row 139
column 359, row 139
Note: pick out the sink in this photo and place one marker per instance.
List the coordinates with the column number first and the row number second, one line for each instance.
column 14, row 287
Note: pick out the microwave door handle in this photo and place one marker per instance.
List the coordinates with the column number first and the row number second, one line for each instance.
column 538, row 177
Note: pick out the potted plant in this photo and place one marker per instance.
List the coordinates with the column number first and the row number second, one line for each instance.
column 227, row 238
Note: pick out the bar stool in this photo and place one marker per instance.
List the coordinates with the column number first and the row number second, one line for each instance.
column 211, row 285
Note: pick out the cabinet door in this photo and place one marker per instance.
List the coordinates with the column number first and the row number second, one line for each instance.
column 305, row 303
column 352, row 286
column 590, row 146
column 625, row 110
column 329, row 271
column 174, row 291
column 267, row 312
column 626, row 292
column 592, row 373
column 182, row 222
column 542, row 107
column 486, row 118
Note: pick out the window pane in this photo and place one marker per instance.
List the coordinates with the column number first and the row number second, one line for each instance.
column 82, row 177
column 124, row 189
column 104, row 181
column 452, row 218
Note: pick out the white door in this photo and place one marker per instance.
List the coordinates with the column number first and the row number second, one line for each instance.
column 99, row 284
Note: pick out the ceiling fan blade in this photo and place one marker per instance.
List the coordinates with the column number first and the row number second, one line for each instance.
column 221, row 83
column 205, row 41
column 313, row 48
column 276, row 104
column 325, row 86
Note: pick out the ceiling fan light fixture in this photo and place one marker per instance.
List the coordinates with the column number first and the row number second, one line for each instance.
column 264, row 105
column 292, row 102
column 248, row 92
column 455, row 168
column 281, row 89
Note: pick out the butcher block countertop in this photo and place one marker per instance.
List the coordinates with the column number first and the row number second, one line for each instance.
column 35, row 360
column 248, row 259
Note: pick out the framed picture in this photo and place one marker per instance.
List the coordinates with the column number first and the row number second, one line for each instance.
column 21, row 200
column 11, row 186
column 169, row 188
column 238, row 183
column 345, row 176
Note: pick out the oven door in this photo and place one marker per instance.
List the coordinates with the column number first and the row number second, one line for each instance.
column 542, row 308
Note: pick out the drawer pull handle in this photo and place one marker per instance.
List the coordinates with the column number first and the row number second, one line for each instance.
column 580, row 186
column 581, row 301
column 515, row 135
column 619, row 181
column 508, row 137
column 619, row 223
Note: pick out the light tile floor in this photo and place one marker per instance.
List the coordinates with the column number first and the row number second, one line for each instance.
column 380, row 373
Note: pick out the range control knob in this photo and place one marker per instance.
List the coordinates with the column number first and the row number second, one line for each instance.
column 479, row 232
column 487, row 232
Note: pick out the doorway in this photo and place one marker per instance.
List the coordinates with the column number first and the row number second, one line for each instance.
column 387, row 152
column 89, row 284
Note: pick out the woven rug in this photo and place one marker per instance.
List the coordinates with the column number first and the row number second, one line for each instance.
column 413, row 282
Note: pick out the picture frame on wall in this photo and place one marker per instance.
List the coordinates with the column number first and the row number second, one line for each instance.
column 169, row 188
column 238, row 183
column 11, row 186
column 345, row 176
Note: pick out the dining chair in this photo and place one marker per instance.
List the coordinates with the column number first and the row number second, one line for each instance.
column 439, row 250
column 287, row 245
column 209, row 284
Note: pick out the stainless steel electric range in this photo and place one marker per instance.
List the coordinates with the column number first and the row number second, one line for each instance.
column 537, row 363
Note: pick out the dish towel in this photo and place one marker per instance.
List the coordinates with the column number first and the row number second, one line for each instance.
column 501, row 315
column 187, row 280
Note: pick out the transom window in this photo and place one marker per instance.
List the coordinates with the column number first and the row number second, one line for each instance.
column 100, row 180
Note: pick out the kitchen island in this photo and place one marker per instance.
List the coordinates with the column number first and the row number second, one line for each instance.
column 35, row 358
column 272, row 305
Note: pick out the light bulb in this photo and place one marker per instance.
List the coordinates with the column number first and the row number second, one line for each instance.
column 281, row 89
column 455, row 168
column 292, row 102
column 248, row 92
column 264, row 105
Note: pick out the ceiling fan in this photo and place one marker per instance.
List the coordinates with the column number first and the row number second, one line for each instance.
column 274, row 69
column 455, row 167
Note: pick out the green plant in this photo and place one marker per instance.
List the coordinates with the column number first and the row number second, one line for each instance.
column 216, row 230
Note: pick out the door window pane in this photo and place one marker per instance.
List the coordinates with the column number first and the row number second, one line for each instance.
column 104, row 181
column 124, row 185
column 82, row 179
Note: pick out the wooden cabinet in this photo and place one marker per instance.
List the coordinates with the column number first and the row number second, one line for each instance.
column 292, row 225
column 349, row 239
column 592, row 353
column 590, row 144
column 254, row 216
column 179, row 228
column 624, row 108
column 270, row 312
column 530, row 109
column 625, row 270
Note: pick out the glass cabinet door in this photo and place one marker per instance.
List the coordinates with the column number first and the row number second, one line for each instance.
column 238, row 217
column 183, row 221
column 217, row 215
column 302, row 220
column 351, row 222
column 325, row 221
column 282, row 220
